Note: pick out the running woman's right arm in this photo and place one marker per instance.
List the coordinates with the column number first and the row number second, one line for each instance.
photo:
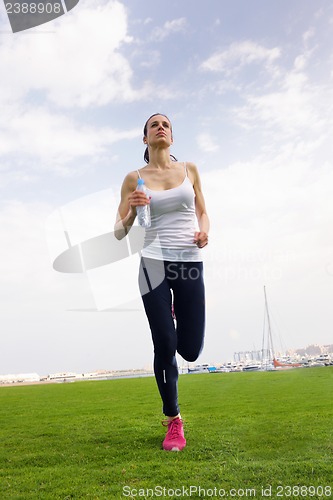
column 130, row 199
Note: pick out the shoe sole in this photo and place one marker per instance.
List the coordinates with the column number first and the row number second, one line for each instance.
column 173, row 449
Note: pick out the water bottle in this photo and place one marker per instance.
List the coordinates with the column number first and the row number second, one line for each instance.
column 143, row 212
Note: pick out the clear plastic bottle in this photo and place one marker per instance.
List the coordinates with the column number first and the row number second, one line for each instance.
column 143, row 212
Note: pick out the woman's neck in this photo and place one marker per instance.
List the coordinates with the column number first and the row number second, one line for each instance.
column 159, row 158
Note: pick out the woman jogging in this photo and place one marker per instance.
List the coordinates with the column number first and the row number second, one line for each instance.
column 171, row 269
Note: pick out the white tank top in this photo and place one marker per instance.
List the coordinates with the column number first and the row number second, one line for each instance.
column 173, row 224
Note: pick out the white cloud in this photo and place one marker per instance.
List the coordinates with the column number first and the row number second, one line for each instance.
column 54, row 139
column 269, row 226
column 300, row 62
column 22, row 227
column 238, row 55
column 79, row 64
column 308, row 35
column 43, row 310
column 150, row 59
column 169, row 27
column 291, row 104
column 207, row 144
column 270, row 216
column 296, row 105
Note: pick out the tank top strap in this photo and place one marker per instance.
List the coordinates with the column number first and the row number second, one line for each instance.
column 139, row 176
column 185, row 169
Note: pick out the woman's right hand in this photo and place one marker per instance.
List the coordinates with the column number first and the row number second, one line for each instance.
column 130, row 199
column 137, row 199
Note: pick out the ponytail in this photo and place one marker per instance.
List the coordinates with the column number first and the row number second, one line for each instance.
column 146, row 155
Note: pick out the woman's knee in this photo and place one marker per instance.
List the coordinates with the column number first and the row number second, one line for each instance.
column 190, row 354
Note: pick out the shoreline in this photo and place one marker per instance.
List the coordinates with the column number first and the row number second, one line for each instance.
column 70, row 378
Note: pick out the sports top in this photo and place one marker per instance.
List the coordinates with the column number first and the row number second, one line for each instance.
column 173, row 224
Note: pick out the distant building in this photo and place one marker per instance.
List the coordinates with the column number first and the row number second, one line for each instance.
column 19, row 377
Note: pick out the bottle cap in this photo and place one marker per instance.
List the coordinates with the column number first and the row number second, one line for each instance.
column 140, row 182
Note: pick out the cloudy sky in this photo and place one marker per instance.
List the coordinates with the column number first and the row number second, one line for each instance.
column 248, row 87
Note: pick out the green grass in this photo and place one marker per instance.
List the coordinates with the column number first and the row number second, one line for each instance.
column 88, row 440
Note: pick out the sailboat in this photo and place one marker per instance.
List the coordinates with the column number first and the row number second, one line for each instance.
column 268, row 356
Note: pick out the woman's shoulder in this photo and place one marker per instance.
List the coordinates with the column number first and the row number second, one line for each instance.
column 193, row 173
column 192, row 168
column 190, row 165
column 134, row 175
column 131, row 179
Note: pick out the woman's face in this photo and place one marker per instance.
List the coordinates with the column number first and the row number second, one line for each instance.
column 158, row 130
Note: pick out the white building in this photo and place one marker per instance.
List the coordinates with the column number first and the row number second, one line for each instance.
column 19, row 377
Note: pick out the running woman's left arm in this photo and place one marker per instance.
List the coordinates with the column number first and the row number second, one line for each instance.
column 200, row 237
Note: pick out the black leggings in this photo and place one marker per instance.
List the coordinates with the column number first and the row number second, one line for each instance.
column 185, row 279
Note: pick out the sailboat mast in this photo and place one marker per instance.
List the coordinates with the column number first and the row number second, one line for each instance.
column 269, row 324
column 263, row 340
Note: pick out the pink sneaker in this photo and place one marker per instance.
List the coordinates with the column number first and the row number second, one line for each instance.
column 174, row 439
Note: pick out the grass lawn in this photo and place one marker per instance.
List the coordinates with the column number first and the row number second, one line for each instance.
column 102, row 440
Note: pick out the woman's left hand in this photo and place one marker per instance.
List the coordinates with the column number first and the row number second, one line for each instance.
column 201, row 239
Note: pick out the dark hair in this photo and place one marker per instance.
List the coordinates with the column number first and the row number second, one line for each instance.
column 145, row 131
